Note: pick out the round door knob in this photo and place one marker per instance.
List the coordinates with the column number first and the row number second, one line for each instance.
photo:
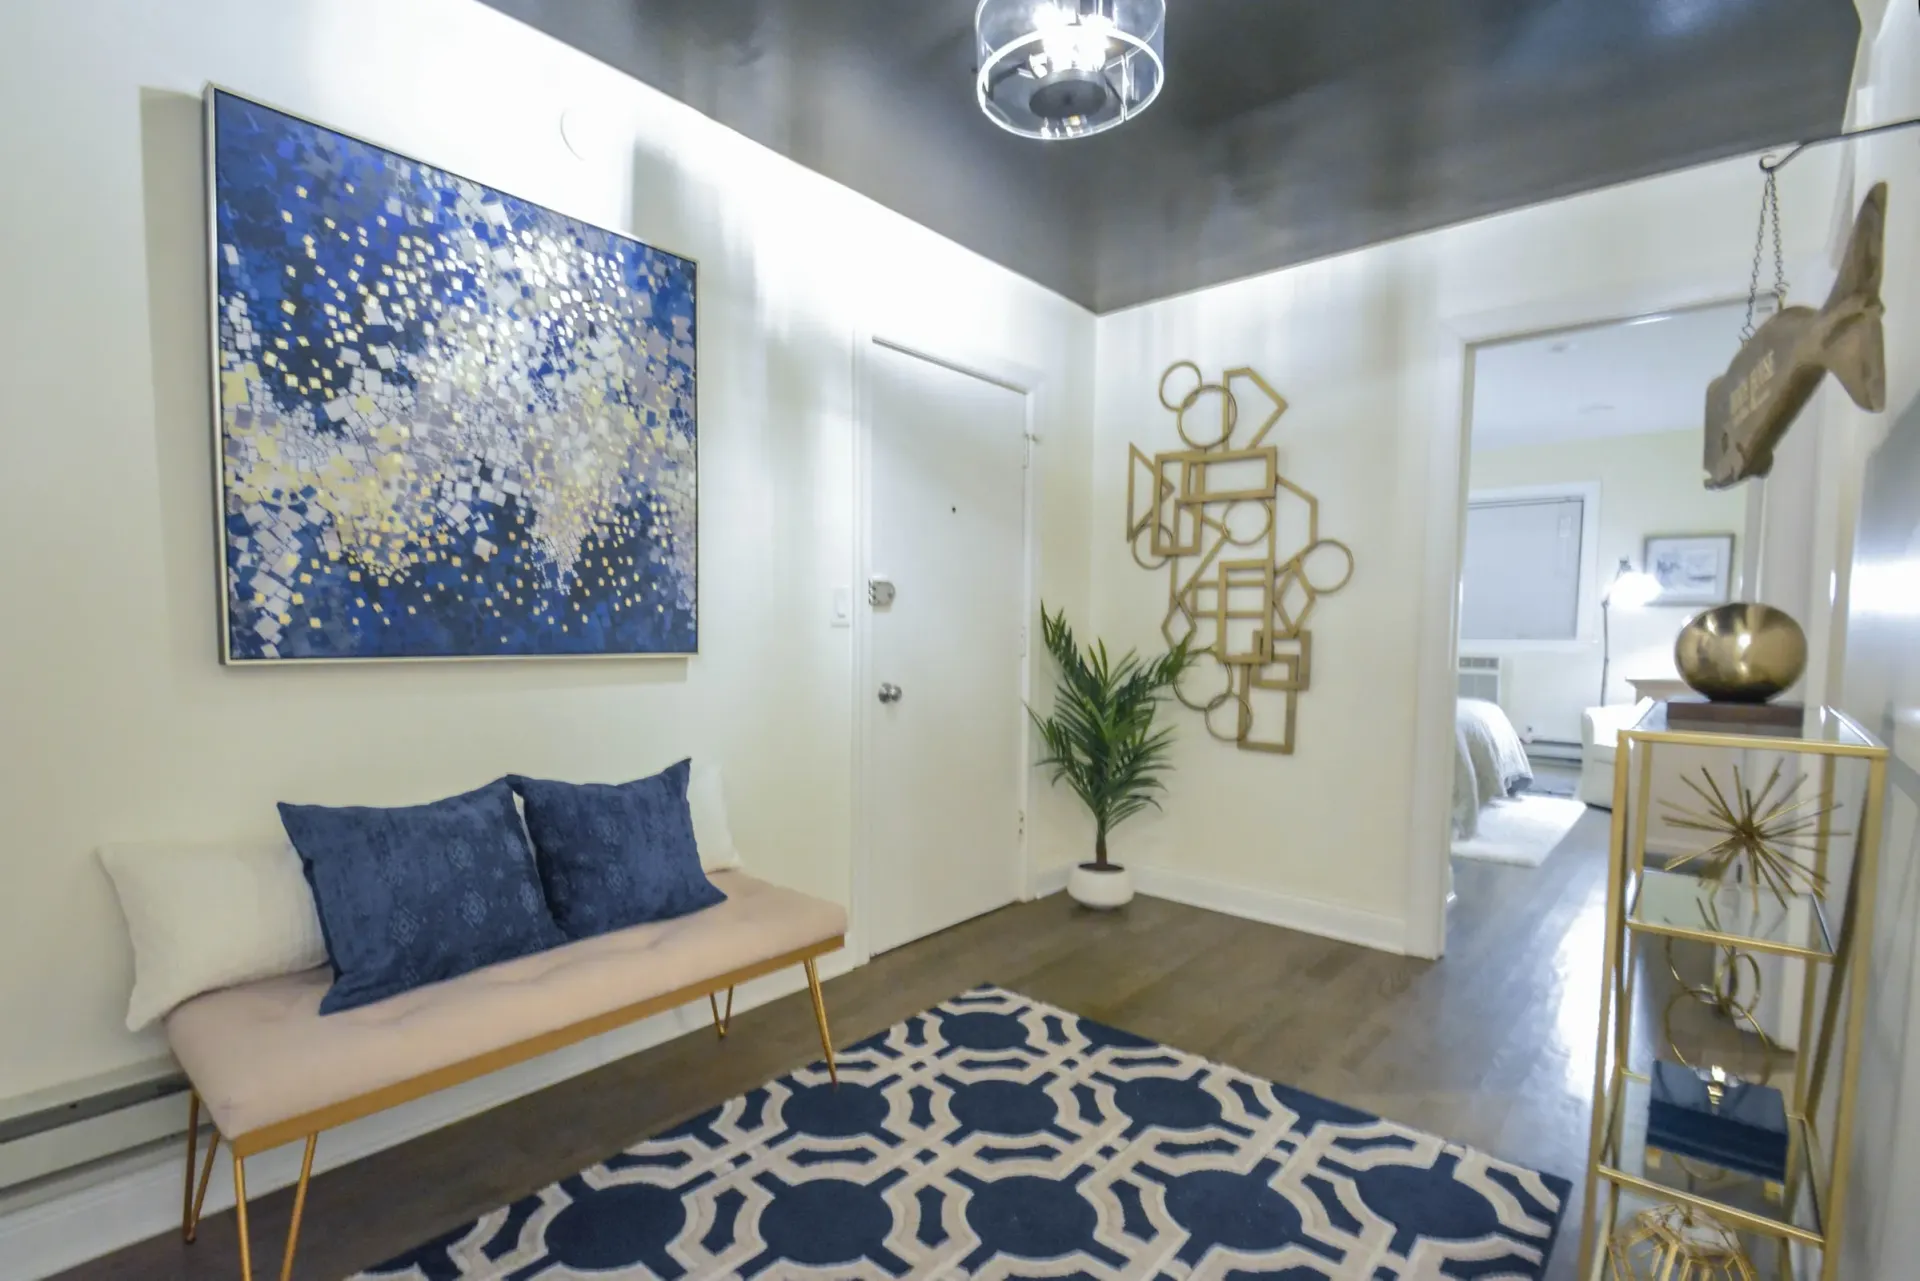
column 890, row 693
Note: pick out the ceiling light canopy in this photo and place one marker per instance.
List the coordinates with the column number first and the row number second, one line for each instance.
column 1069, row 68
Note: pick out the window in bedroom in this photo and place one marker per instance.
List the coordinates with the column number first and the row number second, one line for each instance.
column 1520, row 575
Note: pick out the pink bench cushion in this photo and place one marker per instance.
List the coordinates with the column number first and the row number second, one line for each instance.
column 261, row 1053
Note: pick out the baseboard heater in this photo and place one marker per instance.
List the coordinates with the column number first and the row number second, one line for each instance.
column 50, row 1131
column 1553, row 749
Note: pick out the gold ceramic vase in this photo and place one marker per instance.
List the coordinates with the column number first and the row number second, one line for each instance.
column 1740, row 653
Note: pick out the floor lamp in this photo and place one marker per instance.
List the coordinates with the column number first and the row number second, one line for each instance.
column 1630, row 589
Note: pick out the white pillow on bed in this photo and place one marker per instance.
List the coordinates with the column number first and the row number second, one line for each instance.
column 209, row 916
column 711, row 834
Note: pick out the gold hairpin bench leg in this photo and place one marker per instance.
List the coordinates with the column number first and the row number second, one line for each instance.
column 192, row 1198
column 193, row 1142
column 299, row 1205
column 206, row 1177
column 721, row 1024
column 820, row 1016
column 240, row 1215
column 293, row 1229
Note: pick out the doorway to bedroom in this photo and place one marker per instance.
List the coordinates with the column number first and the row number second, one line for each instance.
column 1588, row 540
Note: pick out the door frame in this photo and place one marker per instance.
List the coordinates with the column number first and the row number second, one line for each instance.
column 1456, row 343
column 1030, row 385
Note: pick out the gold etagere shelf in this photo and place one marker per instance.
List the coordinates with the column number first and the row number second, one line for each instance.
column 1778, row 846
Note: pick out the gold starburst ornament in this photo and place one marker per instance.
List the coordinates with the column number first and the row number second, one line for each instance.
column 1761, row 835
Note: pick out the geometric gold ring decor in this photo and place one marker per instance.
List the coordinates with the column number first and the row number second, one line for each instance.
column 1245, row 562
column 1733, row 993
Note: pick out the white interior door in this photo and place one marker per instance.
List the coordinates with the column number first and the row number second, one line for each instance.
column 947, row 498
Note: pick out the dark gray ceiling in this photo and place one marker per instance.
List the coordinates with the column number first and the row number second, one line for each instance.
column 1289, row 129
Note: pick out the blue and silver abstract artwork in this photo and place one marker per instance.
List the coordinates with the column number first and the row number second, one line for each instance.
column 451, row 423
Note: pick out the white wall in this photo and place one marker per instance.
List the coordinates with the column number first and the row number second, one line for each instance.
column 1349, row 834
column 119, row 723
column 1868, row 471
column 1649, row 484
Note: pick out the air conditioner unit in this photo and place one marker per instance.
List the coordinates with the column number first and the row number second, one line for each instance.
column 1481, row 677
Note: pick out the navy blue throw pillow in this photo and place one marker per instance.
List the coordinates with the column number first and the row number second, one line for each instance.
column 415, row 895
column 616, row 855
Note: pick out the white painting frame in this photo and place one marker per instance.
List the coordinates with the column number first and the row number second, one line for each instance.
column 1692, row 569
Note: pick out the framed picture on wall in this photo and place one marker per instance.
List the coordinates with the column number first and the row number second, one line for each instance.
column 1692, row 569
column 449, row 423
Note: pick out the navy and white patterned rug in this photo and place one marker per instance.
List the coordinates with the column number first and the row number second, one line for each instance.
column 998, row 1137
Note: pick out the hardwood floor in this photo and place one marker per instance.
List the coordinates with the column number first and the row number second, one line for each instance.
column 1492, row 1046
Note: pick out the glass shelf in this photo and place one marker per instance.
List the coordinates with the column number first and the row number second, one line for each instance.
column 1767, row 1262
column 1741, row 1200
column 1657, row 896
column 1676, row 905
column 1825, row 730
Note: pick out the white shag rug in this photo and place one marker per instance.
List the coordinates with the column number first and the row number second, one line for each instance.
column 1522, row 830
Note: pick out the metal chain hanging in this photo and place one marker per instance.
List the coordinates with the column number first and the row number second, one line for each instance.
column 1769, row 213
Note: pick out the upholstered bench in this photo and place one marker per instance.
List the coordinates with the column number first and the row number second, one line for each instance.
column 271, row 1070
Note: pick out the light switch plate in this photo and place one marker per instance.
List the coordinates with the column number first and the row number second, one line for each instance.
column 843, row 607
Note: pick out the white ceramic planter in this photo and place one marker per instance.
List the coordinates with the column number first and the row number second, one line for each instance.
column 1102, row 888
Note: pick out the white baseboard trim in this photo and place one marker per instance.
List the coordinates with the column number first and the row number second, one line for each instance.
column 73, row 1218
column 1309, row 916
column 52, row 1152
column 1051, row 880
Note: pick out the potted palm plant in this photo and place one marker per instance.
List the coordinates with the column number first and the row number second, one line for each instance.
column 1100, row 740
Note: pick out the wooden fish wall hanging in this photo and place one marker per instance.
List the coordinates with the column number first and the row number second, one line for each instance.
column 1751, row 406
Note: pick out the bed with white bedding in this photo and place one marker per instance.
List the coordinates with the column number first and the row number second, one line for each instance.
column 1489, row 761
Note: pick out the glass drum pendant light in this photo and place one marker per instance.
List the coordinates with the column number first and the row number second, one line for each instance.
column 1069, row 68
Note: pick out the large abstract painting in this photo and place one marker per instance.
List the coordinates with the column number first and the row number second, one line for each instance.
column 451, row 423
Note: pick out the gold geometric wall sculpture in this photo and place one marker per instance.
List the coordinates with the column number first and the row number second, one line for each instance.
column 1245, row 562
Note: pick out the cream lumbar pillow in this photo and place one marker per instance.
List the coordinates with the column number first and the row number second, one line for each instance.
column 211, row 916
column 710, row 831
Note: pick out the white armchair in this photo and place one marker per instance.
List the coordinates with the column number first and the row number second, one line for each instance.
column 1599, row 730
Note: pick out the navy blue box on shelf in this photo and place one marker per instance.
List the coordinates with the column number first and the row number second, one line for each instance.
column 1747, row 1133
